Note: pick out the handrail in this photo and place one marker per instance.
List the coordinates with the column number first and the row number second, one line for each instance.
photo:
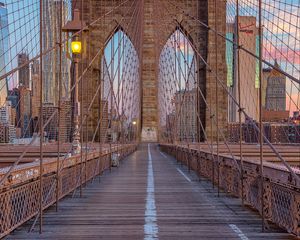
column 27, row 171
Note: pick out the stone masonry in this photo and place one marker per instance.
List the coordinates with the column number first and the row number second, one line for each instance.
column 141, row 21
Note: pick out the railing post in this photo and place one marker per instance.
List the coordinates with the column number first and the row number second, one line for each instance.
column 199, row 165
column 189, row 155
column 110, row 157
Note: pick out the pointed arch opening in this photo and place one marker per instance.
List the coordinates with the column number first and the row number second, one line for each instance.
column 120, row 98
column 177, row 89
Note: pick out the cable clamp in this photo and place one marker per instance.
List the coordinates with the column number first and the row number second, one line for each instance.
column 241, row 109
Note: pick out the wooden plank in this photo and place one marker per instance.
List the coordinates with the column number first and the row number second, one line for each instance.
column 115, row 207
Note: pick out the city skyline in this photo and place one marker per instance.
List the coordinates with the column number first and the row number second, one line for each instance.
column 31, row 49
column 177, row 46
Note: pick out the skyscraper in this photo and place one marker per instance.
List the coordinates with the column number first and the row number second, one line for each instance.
column 35, row 95
column 7, row 122
column 276, row 91
column 65, row 128
column 4, row 42
column 25, row 111
column 170, row 125
column 51, row 37
column 51, row 128
column 265, row 75
column 185, row 110
column 23, row 58
column 248, row 70
column 35, row 89
column 5, row 113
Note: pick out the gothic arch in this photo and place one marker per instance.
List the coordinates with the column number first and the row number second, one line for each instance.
column 147, row 46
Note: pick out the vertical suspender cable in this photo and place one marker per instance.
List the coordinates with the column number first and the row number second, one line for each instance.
column 80, row 109
column 59, row 100
column 82, row 163
column 112, row 73
column 122, row 82
column 217, row 100
column 82, row 101
column 118, row 96
column 238, row 78
column 260, row 114
column 175, row 76
column 100, row 93
column 103, row 85
column 198, row 112
column 211, row 133
column 186, row 86
column 41, row 118
column 101, row 73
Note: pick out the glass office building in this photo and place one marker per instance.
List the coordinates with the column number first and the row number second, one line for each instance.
column 4, row 42
column 51, row 22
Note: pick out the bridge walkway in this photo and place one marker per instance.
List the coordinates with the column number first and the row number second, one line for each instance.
column 150, row 196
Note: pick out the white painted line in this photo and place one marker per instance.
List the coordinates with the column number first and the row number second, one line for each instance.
column 185, row 176
column 164, row 155
column 182, row 173
column 150, row 226
column 238, row 232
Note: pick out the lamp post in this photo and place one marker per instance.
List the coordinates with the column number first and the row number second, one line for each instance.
column 76, row 46
column 76, row 50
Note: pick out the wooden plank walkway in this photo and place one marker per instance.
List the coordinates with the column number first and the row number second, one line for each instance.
column 124, row 205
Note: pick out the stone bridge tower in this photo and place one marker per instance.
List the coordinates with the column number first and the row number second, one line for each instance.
column 138, row 19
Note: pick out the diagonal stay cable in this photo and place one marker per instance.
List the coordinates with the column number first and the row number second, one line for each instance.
column 295, row 176
column 235, row 44
column 55, row 112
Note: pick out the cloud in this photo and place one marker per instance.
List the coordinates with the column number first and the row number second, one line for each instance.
column 282, row 54
column 179, row 42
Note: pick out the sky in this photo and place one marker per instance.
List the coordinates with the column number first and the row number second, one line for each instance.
column 23, row 26
column 281, row 36
column 119, row 64
column 281, row 20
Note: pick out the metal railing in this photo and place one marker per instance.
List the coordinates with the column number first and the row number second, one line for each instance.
column 19, row 197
